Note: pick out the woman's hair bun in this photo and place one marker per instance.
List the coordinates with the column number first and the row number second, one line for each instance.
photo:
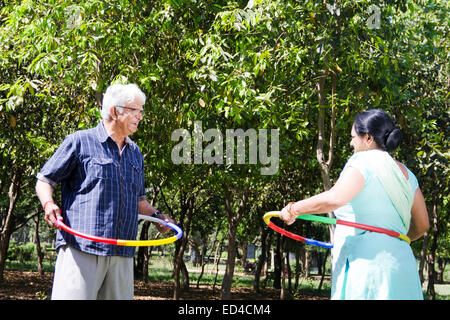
column 393, row 140
column 380, row 126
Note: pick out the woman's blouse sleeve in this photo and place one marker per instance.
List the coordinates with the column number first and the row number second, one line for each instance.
column 358, row 162
column 413, row 182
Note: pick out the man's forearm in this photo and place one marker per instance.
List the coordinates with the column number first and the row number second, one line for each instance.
column 44, row 191
column 52, row 212
column 145, row 208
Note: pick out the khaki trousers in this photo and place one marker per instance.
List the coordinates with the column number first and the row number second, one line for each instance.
column 82, row 276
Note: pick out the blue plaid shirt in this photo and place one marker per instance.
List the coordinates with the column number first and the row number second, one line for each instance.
column 100, row 189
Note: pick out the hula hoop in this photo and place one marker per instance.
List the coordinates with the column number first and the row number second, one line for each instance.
column 129, row 243
column 327, row 220
column 291, row 235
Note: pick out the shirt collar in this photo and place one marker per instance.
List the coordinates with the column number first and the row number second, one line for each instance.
column 102, row 135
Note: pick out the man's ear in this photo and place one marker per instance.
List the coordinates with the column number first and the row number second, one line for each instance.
column 113, row 113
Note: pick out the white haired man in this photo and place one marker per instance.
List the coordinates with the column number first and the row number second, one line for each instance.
column 101, row 172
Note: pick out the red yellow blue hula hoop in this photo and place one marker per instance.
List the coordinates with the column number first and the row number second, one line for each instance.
column 129, row 243
column 327, row 220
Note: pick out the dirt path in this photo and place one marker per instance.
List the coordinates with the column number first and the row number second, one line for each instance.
column 23, row 285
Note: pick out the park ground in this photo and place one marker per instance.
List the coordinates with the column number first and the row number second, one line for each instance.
column 23, row 282
column 29, row 285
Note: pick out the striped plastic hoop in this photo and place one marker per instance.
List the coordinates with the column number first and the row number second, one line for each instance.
column 129, row 243
column 327, row 220
column 291, row 235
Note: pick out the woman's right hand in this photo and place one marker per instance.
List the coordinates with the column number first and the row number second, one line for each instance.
column 287, row 215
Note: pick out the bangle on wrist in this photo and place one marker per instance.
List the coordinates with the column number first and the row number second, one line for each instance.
column 47, row 202
column 290, row 209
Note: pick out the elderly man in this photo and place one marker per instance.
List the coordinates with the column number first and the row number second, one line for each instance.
column 101, row 172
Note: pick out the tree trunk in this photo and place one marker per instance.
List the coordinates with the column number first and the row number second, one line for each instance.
column 441, row 269
column 144, row 253
column 261, row 258
column 217, row 254
column 37, row 241
column 307, row 263
column 299, row 265
column 267, row 265
column 7, row 223
column 233, row 222
column 197, row 255
column 141, row 268
column 431, row 258
column 216, row 262
column 230, row 263
column 325, row 164
column 286, row 290
column 324, row 269
column 423, row 256
column 284, row 294
column 181, row 247
column 185, row 274
column 205, row 261
column 278, row 261
column 244, row 254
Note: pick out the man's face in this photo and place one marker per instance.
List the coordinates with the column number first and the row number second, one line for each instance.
column 132, row 114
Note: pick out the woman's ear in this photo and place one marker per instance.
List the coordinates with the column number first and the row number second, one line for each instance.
column 369, row 140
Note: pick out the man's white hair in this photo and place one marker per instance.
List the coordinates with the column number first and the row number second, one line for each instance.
column 118, row 95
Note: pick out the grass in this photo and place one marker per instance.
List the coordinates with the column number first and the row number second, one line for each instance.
column 160, row 269
column 49, row 266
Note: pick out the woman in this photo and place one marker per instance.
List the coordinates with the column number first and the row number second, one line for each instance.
column 383, row 193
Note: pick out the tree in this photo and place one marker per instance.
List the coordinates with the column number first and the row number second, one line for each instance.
column 303, row 69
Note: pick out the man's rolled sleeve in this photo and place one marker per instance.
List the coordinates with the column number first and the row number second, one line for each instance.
column 60, row 164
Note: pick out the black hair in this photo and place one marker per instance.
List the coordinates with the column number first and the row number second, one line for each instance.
column 380, row 126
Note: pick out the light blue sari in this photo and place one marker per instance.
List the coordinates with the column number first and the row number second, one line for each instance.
column 368, row 265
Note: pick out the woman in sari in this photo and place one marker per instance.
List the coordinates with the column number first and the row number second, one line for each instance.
column 373, row 189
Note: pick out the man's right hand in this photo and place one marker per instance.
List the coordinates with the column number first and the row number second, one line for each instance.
column 52, row 214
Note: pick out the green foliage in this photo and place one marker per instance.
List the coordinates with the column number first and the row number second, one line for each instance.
column 21, row 252
column 230, row 64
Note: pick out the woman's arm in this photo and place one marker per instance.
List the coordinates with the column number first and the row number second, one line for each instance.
column 419, row 217
column 349, row 184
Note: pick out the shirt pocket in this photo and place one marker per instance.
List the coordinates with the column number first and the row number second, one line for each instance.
column 133, row 175
column 103, row 168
